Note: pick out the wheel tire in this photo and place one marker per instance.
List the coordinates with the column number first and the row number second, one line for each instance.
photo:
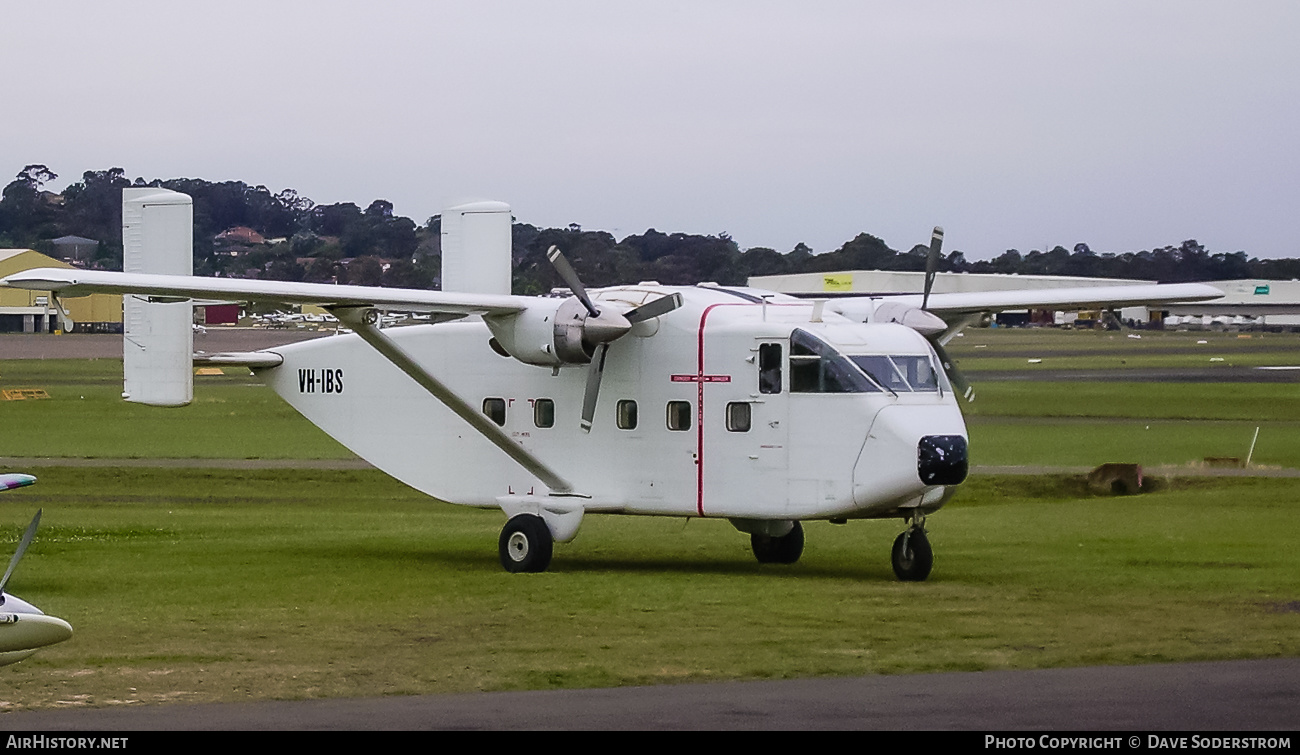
column 778, row 550
column 525, row 544
column 912, row 556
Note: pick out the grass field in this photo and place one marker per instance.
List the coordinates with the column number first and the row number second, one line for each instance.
column 1076, row 423
column 201, row 585
column 197, row 585
column 232, row 417
column 1052, row 349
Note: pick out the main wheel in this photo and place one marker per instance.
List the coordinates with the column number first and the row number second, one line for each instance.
column 912, row 556
column 525, row 544
column 778, row 550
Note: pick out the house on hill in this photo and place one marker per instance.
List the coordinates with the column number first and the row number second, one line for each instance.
column 240, row 235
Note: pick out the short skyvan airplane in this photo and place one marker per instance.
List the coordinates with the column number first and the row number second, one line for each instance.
column 704, row 401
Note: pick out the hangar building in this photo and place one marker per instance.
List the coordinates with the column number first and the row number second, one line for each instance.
column 23, row 311
column 1257, row 302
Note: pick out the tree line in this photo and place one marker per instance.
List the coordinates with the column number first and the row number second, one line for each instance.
column 345, row 243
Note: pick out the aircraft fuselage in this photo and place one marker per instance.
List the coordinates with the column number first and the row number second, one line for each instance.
column 715, row 409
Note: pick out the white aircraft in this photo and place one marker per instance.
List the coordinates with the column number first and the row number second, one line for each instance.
column 703, row 401
column 24, row 628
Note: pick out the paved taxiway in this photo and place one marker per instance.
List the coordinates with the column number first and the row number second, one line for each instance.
column 1253, row 695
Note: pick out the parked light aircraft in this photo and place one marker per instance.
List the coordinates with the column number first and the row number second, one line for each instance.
column 703, row 401
column 24, row 628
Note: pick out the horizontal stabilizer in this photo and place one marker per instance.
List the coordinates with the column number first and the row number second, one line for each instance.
column 239, row 359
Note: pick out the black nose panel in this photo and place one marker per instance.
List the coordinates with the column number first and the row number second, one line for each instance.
column 941, row 459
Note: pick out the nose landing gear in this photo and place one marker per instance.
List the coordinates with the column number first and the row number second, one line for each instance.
column 912, row 556
column 778, row 550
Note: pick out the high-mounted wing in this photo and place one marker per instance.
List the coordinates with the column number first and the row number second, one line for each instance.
column 67, row 282
column 956, row 306
column 949, row 306
column 939, row 317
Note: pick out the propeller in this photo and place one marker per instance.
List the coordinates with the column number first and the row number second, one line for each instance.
column 932, row 264
column 592, row 391
column 955, row 375
column 594, row 332
column 22, row 548
column 570, row 277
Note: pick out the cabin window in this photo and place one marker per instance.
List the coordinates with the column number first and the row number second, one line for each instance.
column 738, row 415
column 495, row 409
column 816, row 367
column 769, row 368
column 544, row 412
column 679, row 415
column 625, row 414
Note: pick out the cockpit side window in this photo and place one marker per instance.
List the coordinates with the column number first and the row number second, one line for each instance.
column 816, row 367
column 769, row 368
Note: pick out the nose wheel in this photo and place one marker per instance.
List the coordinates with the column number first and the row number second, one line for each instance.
column 778, row 550
column 912, row 555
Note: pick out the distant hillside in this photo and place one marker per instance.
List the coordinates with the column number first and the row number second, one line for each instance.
column 246, row 231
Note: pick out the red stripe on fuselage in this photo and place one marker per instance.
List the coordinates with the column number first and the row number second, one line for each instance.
column 700, row 378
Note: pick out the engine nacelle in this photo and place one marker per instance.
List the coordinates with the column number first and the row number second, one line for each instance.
column 553, row 336
column 885, row 310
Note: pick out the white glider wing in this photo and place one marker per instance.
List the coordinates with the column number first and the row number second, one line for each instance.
column 71, row 283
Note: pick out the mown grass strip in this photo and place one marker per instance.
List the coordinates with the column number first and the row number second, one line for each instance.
column 222, row 585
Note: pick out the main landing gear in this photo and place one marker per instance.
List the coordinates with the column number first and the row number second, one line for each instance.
column 912, row 555
column 525, row 544
column 778, row 550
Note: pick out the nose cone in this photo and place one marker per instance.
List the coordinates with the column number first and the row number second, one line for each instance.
column 609, row 326
column 894, row 467
column 941, row 459
column 28, row 631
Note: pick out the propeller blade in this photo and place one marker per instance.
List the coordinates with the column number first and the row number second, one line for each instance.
column 657, row 308
column 955, row 376
column 571, row 280
column 22, row 548
column 1109, row 317
column 932, row 264
column 594, row 373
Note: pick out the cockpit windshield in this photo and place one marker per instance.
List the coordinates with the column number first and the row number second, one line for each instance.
column 818, row 367
column 901, row 374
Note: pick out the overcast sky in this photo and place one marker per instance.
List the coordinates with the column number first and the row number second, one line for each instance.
column 1127, row 125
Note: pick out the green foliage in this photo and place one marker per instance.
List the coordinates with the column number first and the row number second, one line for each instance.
column 326, row 238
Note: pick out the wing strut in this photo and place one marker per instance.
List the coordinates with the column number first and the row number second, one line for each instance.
column 362, row 322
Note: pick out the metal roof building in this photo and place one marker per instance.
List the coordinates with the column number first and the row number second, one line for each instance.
column 23, row 311
column 1268, row 302
column 874, row 282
